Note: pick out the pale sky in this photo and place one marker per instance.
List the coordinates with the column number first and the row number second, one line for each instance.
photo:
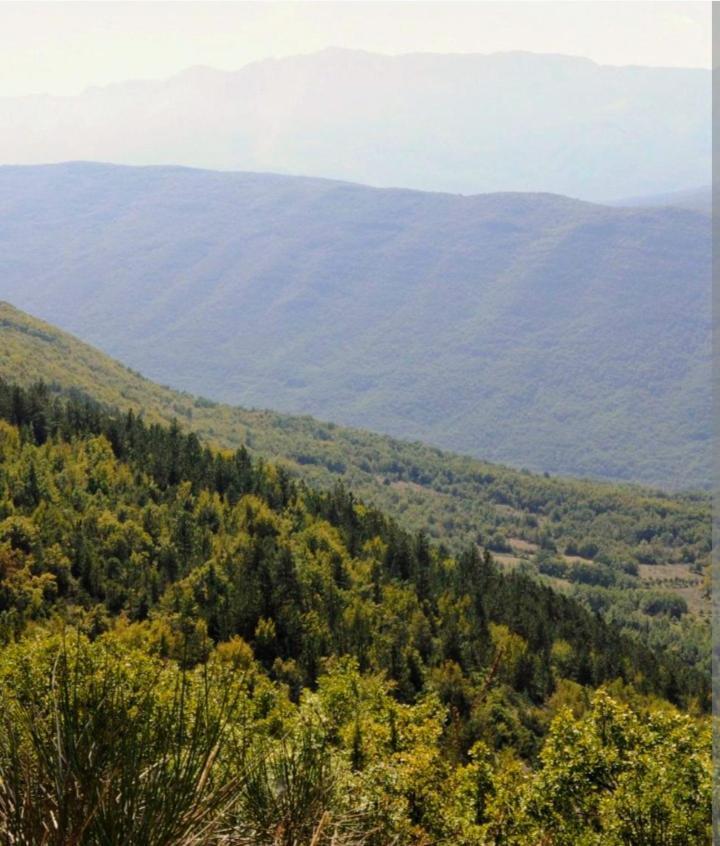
column 64, row 47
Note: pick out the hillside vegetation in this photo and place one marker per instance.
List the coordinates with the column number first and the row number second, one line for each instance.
column 635, row 555
column 527, row 329
column 195, row 648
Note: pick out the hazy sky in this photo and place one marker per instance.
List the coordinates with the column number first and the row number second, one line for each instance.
column 63, row 47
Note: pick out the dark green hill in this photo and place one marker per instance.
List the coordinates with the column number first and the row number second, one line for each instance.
column 626, row 551
column 100, row 508
column 194, row 648
column 528, row 329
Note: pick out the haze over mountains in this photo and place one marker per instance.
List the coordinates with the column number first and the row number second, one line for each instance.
column 530, row 329
column 323, row 571
column 698, row 199
column 461, row 123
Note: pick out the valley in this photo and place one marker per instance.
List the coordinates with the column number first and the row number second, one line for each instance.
column 624, row 551
column 356, row 425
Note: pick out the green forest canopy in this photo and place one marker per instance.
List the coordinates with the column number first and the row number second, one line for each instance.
column 635, row 555
column 284, row 664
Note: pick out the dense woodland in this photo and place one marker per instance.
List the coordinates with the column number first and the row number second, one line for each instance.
column 639, row 557
column 200, row 648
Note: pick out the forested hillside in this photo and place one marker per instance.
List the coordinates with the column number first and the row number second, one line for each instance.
column 637, row 556
column 528, row 329
column 198, row 648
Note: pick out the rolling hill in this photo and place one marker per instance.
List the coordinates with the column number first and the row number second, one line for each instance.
column 623, row 550
column 468, row 123
column 529, row 329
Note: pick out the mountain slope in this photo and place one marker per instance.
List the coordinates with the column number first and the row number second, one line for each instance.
column 467, row 123
column 528, row 329
column 612, row 546
column 193, row 648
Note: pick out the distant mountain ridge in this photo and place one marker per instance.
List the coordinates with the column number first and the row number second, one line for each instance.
column 696, row 199
column 463, row 123
column 527, row 329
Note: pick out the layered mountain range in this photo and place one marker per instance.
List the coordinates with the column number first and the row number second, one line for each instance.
column 463, row 123
column 530, row 329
